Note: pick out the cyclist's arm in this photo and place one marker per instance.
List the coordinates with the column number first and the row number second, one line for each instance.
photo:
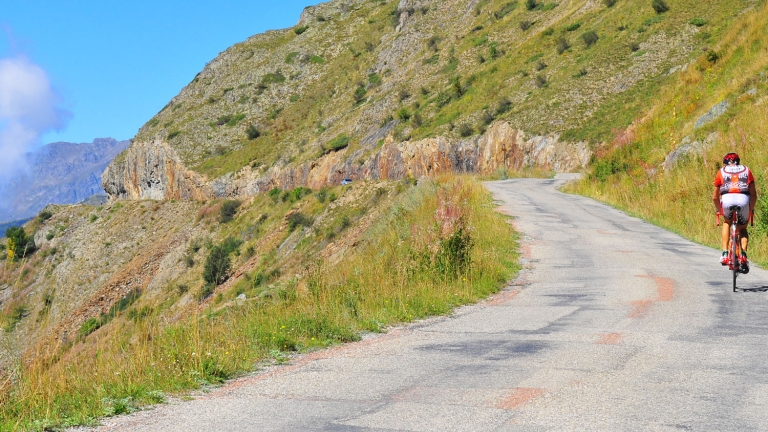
column 716, row 200
column 752, row 197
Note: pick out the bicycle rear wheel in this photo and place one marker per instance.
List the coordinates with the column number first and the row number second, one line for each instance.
column 735, row 264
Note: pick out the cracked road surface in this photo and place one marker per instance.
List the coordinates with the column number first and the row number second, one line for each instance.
column 614, row 324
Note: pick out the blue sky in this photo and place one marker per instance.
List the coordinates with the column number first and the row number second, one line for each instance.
column 113, row 64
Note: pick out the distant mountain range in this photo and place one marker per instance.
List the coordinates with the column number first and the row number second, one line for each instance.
column 57, row 173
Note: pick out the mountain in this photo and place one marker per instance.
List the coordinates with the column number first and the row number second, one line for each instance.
column 58, row 173
column 382, row 89
column 185, row 276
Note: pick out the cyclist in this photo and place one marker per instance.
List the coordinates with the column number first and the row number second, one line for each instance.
column 735, row 186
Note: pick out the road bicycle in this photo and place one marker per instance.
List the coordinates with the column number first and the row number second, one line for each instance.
column 735, row 265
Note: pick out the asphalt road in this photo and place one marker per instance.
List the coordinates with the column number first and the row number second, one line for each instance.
column 614, row 324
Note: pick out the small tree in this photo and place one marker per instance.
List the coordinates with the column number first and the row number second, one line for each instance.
column 562, row 45
column 659, row 6
column 217, row 266
column 228, row 210
column 19, row 244
column 590, row 38
column 252, row 132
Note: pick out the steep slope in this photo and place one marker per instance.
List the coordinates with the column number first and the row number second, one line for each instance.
column 58, row 173
column 663, row 166
column 352, row 73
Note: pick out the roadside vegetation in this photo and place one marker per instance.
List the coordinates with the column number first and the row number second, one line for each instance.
column 629, row 174
column 441, row 242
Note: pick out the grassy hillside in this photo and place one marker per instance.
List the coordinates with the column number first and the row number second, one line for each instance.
column 628, row 172
column 298, row 290
column 347, row 71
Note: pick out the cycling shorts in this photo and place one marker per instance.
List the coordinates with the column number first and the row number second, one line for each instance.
column 736, row 199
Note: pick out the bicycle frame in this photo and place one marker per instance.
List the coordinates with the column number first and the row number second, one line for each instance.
column 734, row 248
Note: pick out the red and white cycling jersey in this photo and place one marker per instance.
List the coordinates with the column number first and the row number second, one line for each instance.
column 734, row 179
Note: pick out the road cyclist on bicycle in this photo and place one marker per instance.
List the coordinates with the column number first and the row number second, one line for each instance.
column 735, row 186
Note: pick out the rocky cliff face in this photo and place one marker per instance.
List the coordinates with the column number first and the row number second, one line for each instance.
column 153, row 170
column 58, row 173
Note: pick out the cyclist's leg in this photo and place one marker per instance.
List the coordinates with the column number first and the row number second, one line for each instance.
column 726, row 234
column 744, row 234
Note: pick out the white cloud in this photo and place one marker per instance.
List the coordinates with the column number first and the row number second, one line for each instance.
column 28, row 108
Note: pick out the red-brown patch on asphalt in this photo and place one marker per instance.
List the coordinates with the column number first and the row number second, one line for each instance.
column 609, row 338
column 606, row 232
column 501, row 298
column 519, row 397
column 665, row 291
column 640, row 308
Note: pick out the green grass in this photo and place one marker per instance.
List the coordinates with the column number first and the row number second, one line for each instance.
column 444, row 246
column 680, row 200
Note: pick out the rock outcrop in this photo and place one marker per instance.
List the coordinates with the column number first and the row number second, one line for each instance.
column 153, row 170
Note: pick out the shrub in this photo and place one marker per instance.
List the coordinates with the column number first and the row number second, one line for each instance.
column 403, row 114
column 493, row 51
column 300, row 30
column 374, row 79
column 548, row 32
column 173, row 134
column 541, row 81
column 698, row 22
column 713, row 56
column 573, row 27
column 19, row 244
column 274, row 193
column 417, row 120
column 505, row 10
column 338, row 143
column 291, row 57
column 486, row 117
column 635, row 47
column 252, row 132
column 590, row 38
column 50, row 236
column 659, row 6
column 359, row 94
column 454, row 253
column 432, row 43
column 89, row 326
column 321, row 195
column 465, row 130
column 298, row 219
column 531, row 4
column 217, row 267
column 525, row 25
column 273, row 78
column 562, row 45
column 299, row 193
column 228, row 210
column 44, row 215
column 580, row 73
column 230, row 245
column 609, row 3
column 316, row 59
column 541, row 66
column 503, row 106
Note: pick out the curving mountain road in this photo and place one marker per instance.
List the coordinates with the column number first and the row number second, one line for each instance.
column 614, row 324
